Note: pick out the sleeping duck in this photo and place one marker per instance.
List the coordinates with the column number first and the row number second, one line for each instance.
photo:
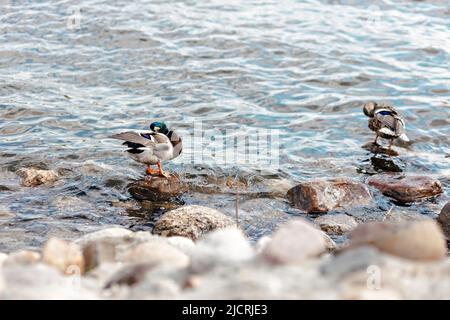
column 385, row 120
column 152, row 147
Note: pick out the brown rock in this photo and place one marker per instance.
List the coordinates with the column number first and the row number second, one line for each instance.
column 415, row 240
column 33, row 177
column 66, row 257
column 444, row 219
column 156, row 188
column 406, row 189
column 294, row 242
column 191, row 222
column 324, row 195
column 336, row 223
column 98, row 252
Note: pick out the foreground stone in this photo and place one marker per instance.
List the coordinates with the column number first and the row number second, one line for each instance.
column 336, row 224
column 191, row 222
column 406, row 189
column 23, row 257
column 156, row 188
column 320, row 196
column 416, row 240
column 221, row 247
column 32, row 177
column 444, row 220
column 294, row 242
column 64, row 256
column 153, row 253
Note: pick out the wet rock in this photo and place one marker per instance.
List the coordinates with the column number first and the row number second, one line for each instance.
column 294, row 242
column 221, row 247
column 278, row 187
column 320, row 196
column 64, row 256
column 415, row 240
column 191, row 222
column 154, row 253
column 23, row 257
column 406, row 189
column 156, row 188
column 444, row 219
column 33, row 177
column 336, row 224
column 376, row 148
column 399, row 215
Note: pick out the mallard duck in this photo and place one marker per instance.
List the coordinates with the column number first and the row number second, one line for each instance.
column 386, row 121
column 152, row 147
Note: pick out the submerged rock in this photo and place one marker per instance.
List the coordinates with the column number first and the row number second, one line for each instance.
column 444, row 219
column 336, row 223
column 320, row 196
column 294, row 242
column 64, row 256
column 415, row 240
column 156, row 188
column 406, row 189
column 33, row 177
column 191, row 222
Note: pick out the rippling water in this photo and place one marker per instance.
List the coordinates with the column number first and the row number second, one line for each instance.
column 74, row 72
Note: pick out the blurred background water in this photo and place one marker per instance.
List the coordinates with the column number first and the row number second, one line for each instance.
column 73, row 72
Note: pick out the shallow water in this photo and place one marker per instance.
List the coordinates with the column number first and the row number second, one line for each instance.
column 71, row 76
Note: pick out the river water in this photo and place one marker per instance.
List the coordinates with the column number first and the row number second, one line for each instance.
column 74, row 72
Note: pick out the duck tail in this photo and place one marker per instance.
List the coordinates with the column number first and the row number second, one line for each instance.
column 404, row 137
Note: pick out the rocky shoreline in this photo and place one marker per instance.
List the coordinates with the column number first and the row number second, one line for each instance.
column 198, row 252
column 214, row 260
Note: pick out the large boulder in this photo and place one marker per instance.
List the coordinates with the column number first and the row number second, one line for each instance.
column 406, row 189
column 320, row 196
column 415, row 240
column 156, row 188
column 191, row 222
column 32, row 177
column 444, row 219
column 294, row 242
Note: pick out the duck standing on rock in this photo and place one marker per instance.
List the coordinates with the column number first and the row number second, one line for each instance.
column 152, row 147
column 386, row 121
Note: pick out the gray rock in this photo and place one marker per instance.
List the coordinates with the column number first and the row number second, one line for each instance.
column 337, row 223
column 294, row 242
column 444, row 219
column 401, row 215
column 221, row 247
column 191, row 222
column 405, row 188
column 32, row 177
column 416, row 240
column 321, row 196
